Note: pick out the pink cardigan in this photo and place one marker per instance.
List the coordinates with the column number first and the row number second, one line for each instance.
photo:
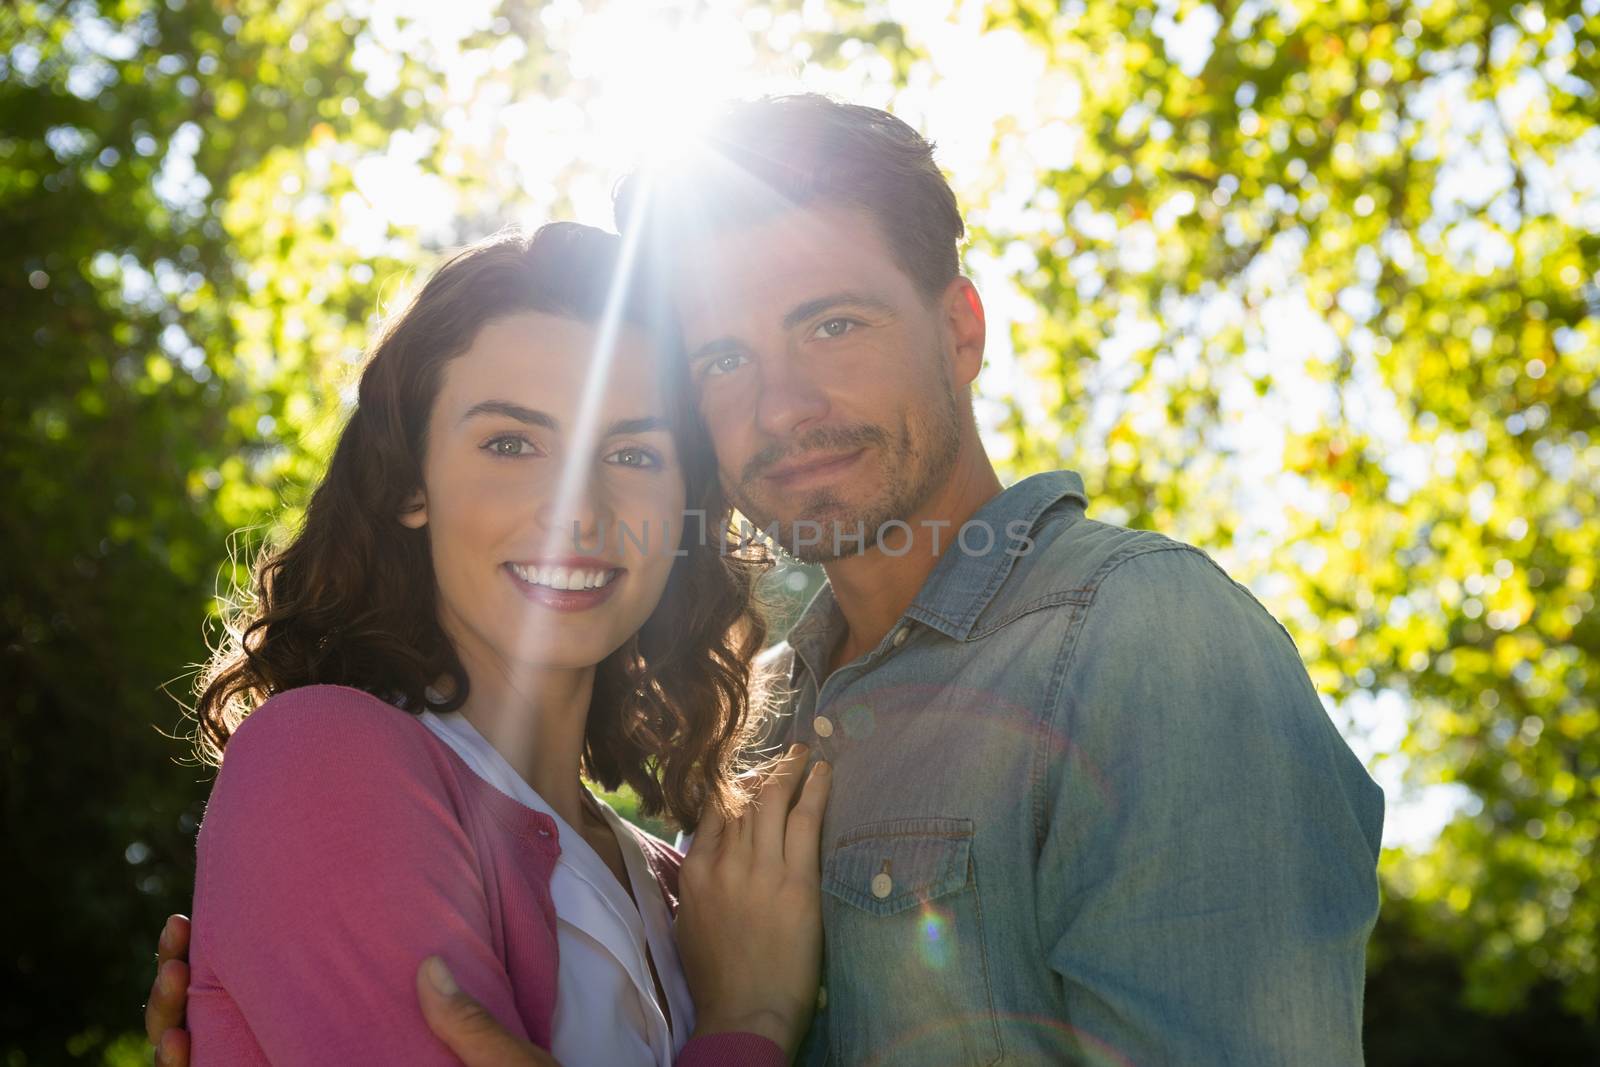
column 343, row 843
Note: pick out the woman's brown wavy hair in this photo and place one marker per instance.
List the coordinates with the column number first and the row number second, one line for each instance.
column 349, row 600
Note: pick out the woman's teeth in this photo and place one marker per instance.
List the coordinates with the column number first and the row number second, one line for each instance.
column 563, row 577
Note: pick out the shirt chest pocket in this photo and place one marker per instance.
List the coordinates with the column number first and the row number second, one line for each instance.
column 907, row 978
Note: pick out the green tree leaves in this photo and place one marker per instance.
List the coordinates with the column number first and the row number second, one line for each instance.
column 1366, row 221
column 1310, row 284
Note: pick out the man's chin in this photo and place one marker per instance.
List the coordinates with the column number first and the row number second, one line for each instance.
column 817, row 535
column 818, row 507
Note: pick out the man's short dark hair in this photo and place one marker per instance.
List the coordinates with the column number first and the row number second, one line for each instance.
column 764, row 156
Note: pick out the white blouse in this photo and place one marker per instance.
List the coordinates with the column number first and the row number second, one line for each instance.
column 606, row 1012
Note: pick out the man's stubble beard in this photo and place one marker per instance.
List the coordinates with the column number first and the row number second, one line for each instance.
column 928, row 466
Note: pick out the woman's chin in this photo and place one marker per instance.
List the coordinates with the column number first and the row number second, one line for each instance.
column 563, row 646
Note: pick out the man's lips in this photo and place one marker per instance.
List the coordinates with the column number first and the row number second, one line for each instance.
column 808, row 469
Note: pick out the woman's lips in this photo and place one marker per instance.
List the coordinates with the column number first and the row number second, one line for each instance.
column 563, row 599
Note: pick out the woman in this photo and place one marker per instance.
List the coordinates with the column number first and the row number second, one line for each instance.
column 493, row 590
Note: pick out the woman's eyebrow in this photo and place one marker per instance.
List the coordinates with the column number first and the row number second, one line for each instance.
column 646, row 424
column 513, row 411
column 619, row 428
column 720, row 346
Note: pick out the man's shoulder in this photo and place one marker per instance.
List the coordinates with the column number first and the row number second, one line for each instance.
column 1065, row 560
column 1082, row 551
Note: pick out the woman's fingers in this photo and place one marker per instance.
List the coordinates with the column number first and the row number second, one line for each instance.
column 803, row 835
column 772, row 804
column 708, row 833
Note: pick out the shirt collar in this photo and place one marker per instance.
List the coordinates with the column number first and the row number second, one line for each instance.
column 971, row 571
column 816, row 630
column 964, row 580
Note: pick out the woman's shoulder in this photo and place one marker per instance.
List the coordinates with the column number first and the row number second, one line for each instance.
column 328, row 726
column 329, row 758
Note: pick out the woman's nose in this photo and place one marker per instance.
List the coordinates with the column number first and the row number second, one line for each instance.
column 578, row 522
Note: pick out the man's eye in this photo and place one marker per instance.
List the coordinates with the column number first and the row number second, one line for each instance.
column 834, row 328
column 509, row 445
column 642, row 458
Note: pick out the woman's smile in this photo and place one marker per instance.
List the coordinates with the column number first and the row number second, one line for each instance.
column 572, row 585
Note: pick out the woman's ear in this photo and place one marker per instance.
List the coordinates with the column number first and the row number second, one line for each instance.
column 414, row 513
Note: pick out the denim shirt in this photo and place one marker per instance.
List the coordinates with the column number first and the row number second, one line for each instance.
column 1087, row 808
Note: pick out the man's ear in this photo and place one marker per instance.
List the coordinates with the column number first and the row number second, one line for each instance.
column 414, row 512
column 964, row 318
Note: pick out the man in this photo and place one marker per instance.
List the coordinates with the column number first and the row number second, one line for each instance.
column 1087, row 806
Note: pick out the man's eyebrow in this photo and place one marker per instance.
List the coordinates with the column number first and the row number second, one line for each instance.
column 797, row 315
column 801, row 312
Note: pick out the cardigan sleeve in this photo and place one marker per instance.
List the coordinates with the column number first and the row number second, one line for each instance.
column 731, row 1050
column 331, row 863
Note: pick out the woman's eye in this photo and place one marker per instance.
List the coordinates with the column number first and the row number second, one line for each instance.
column 724, row 364
column 834, row 327
column 641, row 458
column 509, row 445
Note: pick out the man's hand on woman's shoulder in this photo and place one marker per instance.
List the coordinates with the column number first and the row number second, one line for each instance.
column 169, row 995
column 467, row 1027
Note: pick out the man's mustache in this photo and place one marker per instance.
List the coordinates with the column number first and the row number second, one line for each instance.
column 822, row 439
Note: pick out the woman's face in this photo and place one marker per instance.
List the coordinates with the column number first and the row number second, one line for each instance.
column 548, row 550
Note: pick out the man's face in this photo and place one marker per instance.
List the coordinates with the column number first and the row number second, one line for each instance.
column 824, row 377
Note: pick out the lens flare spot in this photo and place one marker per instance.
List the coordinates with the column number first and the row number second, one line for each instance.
column 933, row 938
column 858, row 721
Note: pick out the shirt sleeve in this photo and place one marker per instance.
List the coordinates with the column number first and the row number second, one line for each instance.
column 330, row 865
column 1209, row 842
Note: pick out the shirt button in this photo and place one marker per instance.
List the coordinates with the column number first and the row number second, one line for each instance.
column 900, row 636
column 823, row 725
column 882, row 885
column 822, row 998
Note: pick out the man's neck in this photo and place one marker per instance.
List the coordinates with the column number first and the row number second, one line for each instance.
column 873, row 589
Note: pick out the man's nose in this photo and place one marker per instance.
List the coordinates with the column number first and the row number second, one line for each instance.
column 789, row 399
